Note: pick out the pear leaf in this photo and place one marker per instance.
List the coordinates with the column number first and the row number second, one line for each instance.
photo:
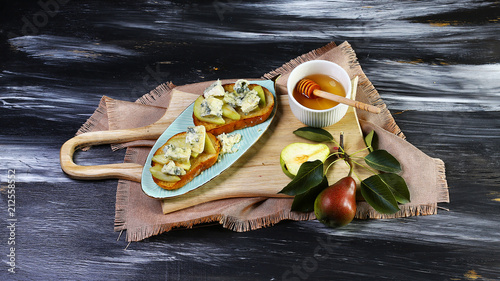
column 314, row 134
column 383, row 161
column 398, row 187
column 378, row 195
column 305, row 202
column 371, row 141
column 310, row 174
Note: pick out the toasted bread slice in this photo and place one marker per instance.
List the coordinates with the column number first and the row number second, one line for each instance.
column 202, row 162
column 247, row 120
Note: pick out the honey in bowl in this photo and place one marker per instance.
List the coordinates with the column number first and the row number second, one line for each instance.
column 327, row 84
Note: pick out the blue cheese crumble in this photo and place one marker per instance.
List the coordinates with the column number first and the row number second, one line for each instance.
column 241, row 86
column 211, row 106
column 228, row 142
column 233, row 98
column 243, row 97
column 180, row 154
column 250, row 101
column 195, row 137
column 214, row 90
column 171, row 169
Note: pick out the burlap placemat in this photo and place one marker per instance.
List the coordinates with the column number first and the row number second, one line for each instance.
column 142, row 216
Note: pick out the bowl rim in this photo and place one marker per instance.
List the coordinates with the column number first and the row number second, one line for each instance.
column 290, row 93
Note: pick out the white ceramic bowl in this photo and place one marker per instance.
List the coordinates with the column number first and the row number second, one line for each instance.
column 312, row 117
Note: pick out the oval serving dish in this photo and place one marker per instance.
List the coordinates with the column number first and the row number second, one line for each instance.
column 249, row 136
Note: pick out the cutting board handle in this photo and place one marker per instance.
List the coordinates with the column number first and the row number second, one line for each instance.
column 128, row 171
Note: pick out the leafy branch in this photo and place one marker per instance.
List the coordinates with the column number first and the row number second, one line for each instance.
column 384, row 190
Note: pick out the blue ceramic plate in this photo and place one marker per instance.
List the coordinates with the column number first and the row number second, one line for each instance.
column 248, row 137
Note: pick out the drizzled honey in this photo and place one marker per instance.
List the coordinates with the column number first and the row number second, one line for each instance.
column 327, row 84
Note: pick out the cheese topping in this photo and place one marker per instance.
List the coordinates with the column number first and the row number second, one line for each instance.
column 214, row 90
column 233, row 99
column 171, row 169
column 228, row 142
column 195, row 137
column 248, row 100
column 241, row 86
column 180, row 154
column 212, row 107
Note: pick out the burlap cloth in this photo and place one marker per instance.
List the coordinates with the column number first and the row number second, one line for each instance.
column 142, row 216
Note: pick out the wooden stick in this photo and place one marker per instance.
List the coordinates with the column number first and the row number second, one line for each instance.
column 344, row 100
column 309, row 88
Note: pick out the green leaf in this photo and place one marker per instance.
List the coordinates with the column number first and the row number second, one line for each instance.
column 371, row 141
column 378, row 195
column 398, row 187
column 305, row 202
column 383, row 161
column 310, row 174
column 314, row 134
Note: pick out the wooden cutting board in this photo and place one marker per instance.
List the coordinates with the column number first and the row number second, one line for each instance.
column 256, row 174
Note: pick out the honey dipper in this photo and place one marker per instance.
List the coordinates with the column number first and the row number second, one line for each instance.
column 311, row 89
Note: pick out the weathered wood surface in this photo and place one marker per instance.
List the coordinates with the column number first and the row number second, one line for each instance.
column 435, row 64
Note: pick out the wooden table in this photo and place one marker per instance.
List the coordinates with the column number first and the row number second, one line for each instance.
column 436, row 65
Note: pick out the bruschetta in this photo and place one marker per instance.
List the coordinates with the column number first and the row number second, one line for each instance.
column 229, row 107
column 183, row 157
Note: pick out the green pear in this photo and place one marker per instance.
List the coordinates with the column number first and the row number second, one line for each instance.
column 336, row 205
column 262, row 95
column 209, row 145
column 157, row 173
column 229, row 112
column 293, row 155
column 211, row 119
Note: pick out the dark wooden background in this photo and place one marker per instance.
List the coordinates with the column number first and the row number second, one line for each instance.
column 435, row 63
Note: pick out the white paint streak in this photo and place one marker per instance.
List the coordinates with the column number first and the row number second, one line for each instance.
column 53, row 49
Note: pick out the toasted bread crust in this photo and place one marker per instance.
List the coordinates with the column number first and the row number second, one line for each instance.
column 249, row 120
column 198, row 164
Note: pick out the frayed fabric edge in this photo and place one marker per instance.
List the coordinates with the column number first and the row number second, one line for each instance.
column 91, row 122
column 372, row 94
column 442, row 183
column 151, row 97
column 405, row 211
column 228, row 222
column 290, row 65
column 123, row 194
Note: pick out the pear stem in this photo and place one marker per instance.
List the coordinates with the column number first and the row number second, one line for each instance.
column 332, row 154
column 328, row 167
column 346, row 157
column 348, row 162
column 341, row 146
column 360, row 151
column 357, row 176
